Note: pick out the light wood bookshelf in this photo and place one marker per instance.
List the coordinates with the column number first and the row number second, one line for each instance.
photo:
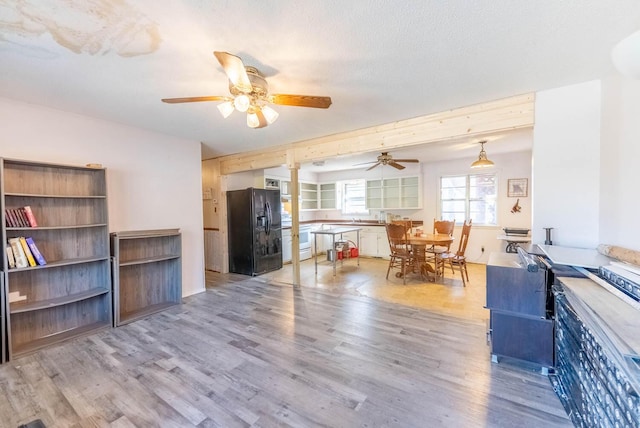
column 71, row 294
column 147, row 272
column 3, row 322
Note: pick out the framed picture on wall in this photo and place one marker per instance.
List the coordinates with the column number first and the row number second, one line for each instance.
column 517, row 188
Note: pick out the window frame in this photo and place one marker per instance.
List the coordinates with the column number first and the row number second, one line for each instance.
column 345, row 202
column 468, row 200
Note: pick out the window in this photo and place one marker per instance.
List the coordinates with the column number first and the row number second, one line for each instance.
column 353, row 196
column 469, row 196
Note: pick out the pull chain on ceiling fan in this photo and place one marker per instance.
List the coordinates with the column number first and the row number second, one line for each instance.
column 250, row 93
column 386, row 159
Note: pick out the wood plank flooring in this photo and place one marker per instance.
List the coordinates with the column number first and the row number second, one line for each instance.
column 255, row 352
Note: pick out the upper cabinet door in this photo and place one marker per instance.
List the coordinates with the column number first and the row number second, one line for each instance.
column 394, row 193
column 328, row 196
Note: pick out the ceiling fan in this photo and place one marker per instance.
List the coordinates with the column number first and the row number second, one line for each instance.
column 386, row 159
column 250, row 93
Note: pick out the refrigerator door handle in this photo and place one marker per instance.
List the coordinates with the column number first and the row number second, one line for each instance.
column 267, row 209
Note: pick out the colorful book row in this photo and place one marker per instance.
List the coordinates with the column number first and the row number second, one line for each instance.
column 20, row 217
column 22, row 252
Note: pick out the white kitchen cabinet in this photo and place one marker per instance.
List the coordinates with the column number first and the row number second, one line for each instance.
column 308, row 196
column 286, row 246
column 373, row 242
column 327, row 193
column 400, row 192
column 369, row 244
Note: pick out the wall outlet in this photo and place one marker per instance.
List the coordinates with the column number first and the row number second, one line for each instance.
column 482, row 248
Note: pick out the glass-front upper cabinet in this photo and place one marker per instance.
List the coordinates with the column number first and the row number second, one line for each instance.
column 400, row 192
column 308, row 196
column 328, row 196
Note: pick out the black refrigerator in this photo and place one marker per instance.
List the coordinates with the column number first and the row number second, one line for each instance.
column 255, row 235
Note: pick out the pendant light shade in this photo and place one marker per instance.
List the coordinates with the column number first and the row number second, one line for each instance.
column 270, row 114
column 242, row 102
column 258, row 116
column 482, row 161
column 226, row 108
column 252, row 119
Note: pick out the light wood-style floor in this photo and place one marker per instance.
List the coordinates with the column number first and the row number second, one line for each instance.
column 351, row 351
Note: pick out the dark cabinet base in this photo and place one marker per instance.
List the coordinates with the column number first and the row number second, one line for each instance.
column 521, row 323
column 526, row 339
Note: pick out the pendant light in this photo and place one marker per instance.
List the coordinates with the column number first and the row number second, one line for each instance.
column 482, row 161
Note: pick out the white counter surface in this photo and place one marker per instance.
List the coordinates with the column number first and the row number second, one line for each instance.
column 581, row 257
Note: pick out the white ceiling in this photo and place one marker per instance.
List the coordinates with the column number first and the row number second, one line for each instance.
column 379, row 60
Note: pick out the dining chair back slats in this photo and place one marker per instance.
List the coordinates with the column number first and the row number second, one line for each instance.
column 458, row 260
column 441, row 227
column 400, row 256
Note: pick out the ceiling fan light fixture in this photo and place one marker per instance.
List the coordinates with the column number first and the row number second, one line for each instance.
column 242, row 102
column 226, row 108
column 270, row 114
column 253, row 121
column 483, row 161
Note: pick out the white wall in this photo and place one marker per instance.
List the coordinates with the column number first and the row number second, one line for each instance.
column 508, row 165
column 153, row 180
column 566, row 165
column 620, row 167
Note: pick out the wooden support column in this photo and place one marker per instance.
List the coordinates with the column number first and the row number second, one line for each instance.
column 295, row 223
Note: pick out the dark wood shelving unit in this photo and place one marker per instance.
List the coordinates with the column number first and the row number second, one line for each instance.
column 71, row 294
column 147, row 272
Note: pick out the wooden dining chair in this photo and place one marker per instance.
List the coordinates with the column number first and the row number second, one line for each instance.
column 435, row 252
column 457, row 260
column 408, row 224
column 400, row 256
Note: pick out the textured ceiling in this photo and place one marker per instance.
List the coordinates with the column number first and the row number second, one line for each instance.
column 379, row 60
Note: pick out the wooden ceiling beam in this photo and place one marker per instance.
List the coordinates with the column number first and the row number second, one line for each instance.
column 473, row 121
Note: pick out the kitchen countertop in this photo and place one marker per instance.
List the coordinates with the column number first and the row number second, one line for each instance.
column 582, row 257
column 348, row 223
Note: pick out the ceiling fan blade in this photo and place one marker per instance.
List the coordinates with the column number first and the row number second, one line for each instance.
column 373, row 166
column 395, row 165
column 300, row 100
column 407, row 160
column 195, row 99
column 234, row 68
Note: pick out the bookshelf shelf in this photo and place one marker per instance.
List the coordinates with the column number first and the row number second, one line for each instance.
column 59, row 263
column 71, row 294
column 147, row 272
column 77, row 226
column 33, row 195
column 149, row 260
column 57, row 337
column 16, row 308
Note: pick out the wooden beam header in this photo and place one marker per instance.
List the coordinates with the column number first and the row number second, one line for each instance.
column 473, row 121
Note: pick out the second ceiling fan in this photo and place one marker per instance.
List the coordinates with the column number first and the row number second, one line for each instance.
column 386, row 159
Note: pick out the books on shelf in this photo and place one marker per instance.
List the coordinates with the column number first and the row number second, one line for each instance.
column 27, row 251
column 30, row 217
column 20, row 217
column 18, row 253
column 22, row 252
column 35, row 252
column 10, row 258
